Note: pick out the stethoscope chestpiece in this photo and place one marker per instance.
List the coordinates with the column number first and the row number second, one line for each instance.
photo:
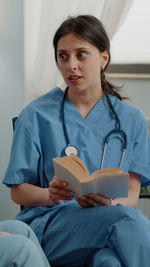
column 70, row 149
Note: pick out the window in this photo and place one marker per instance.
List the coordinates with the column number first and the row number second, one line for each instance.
column 130, row 45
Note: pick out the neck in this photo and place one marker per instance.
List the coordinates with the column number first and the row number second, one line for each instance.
column 85, row 100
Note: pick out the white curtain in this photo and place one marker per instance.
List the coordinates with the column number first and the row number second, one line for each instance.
column 42, row 18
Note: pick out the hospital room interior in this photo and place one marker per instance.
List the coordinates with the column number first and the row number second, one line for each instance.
column 28, row 68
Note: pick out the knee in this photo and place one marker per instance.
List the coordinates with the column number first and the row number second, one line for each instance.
column 15, row 227
column 134, row 224
column 106, row 257
column 18, row 250
column 13, row 245
column 105, row 262
column 131, row 214
column 135, row 217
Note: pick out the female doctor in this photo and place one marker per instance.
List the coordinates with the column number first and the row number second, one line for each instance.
column 92, row 230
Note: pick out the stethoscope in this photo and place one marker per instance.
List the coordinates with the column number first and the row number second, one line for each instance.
column 69, row 149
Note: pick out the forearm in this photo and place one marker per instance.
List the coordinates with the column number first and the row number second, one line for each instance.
column 130, row 201
column 30, row 195
column 133, row 192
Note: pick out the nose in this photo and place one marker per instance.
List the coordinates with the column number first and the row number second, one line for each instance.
column 72, row 63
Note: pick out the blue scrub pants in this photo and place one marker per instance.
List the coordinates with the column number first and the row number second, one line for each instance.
column 108, row 236
column 20, row 248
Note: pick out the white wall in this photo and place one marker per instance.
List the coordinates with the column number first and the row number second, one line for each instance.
column 11, row 88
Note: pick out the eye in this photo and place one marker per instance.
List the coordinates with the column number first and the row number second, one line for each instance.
column 82, row 54
column 62, row 56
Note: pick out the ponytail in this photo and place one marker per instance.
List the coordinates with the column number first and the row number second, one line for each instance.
column 109, row 88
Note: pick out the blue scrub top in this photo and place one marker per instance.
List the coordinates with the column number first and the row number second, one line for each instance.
column 39, row 137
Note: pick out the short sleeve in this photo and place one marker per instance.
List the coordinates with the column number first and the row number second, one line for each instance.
column 24, row 157
column 140, row 162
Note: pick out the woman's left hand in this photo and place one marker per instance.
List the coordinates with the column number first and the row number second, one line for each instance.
column 92, row 200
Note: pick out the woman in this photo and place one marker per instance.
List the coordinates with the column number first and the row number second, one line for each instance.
column 92, row 230
column 19, row 246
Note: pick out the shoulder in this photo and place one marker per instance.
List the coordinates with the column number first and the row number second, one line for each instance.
column 44, row 103
column 129, row 115
column 126, row 110
column 41, row 109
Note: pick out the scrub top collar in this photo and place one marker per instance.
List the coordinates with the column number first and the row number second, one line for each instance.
column 100, row 112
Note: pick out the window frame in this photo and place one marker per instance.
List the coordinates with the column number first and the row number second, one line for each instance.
column 135, row 71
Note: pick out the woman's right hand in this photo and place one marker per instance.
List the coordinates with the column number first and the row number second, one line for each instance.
column 58, row 191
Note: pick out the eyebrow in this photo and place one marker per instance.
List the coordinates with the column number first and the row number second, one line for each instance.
column 77, row 49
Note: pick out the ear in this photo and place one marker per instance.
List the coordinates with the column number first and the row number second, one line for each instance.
column 105, row 58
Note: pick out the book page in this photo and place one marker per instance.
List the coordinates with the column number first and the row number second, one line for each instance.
column 113, row 186
column 80, row 162
column 72, row 166
column 64, row 174
column 107, row 171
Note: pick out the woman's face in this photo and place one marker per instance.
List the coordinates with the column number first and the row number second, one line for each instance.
column 80, row 63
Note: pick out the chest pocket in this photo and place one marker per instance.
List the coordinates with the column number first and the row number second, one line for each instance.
column 114, row 152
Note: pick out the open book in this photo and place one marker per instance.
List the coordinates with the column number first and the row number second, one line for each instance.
column 111, row 182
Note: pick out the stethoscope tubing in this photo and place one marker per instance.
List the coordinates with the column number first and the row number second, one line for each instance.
column 116, row 132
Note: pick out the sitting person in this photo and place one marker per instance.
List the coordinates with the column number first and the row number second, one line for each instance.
column 19, row 246
column 92, row 229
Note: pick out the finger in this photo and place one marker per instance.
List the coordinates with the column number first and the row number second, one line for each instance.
column 83, row 203
column 89, row 200
column 60, row 191
column 57, row 197
column 102, row 200
column 58, row 183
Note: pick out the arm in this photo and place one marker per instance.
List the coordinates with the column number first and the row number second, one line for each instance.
column 32, row 195
column 132, row 200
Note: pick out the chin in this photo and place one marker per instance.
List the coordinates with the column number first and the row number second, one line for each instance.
column 77, row 90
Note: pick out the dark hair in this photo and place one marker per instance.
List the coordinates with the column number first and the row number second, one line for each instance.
column 91, row 29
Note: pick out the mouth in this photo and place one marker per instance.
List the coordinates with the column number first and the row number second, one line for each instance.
column 74, row 77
